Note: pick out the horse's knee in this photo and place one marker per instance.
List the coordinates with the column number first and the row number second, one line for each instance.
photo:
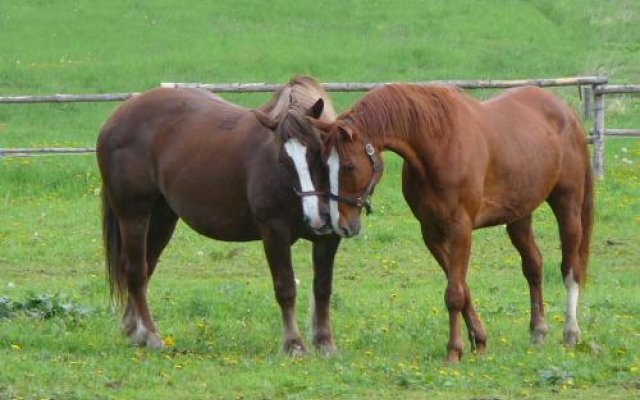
column 454, row 297
column 285, row 293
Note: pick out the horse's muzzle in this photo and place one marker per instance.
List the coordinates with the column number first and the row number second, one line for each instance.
column 321, row 226
column 349, row 230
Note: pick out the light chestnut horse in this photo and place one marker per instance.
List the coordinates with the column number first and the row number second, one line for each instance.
column 231, row 174
column 470, row 165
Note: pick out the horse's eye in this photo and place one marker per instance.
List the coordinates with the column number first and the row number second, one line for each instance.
column 348, row 167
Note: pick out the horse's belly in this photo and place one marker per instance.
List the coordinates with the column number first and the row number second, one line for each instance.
column 502, row 212
column 516, row 185
column 223, row 227
column 509, row 205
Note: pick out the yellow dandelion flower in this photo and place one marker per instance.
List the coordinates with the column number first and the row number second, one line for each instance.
column 168, row 341
column 16, row 347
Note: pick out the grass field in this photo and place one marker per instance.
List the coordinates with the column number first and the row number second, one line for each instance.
column 213, row 301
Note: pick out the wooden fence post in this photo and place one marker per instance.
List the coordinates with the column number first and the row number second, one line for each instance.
column 598, row 132
column 587, row 92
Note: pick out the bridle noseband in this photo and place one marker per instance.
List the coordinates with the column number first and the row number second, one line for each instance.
column 364, row 199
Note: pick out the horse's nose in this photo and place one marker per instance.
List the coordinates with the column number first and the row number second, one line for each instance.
column 326, row 217
column 317, row 225
column 351, row 229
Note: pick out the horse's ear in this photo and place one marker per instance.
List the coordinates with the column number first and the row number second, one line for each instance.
column 265, row 120
column 320, row 124
column 346, row 131
column 315, row 111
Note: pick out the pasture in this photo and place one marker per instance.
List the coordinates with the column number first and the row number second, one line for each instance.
column 213, row 301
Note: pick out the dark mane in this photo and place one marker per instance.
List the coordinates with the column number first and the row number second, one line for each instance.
column 402, row 110
column 294, row 124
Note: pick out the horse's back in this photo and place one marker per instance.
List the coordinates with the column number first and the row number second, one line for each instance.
column 143, row 114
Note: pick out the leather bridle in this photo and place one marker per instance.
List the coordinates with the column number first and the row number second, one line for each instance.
column 358, row 201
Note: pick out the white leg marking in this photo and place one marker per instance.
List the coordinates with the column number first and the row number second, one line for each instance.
column 144, row 337
column 139, row 336
column 571, row 330
column 334, row 167
column 298, row 153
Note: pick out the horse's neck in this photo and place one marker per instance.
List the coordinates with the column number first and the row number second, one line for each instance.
column 407, row 141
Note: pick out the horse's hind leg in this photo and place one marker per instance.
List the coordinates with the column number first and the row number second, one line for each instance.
column 324, row 251
column 137, row 322
column 521, row 235
column 567, row 209
column 161, row 226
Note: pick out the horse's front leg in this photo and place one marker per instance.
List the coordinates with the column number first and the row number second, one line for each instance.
column 276, row 239
column 324, row 251
column 451, row 246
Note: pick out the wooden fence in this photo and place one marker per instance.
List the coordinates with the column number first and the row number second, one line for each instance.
column 597, row 85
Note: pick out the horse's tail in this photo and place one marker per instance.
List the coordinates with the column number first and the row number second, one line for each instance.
column 112, row 246
column 587, row 220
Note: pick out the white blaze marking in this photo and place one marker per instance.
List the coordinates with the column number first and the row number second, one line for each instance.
column 573, row 290
column 298, row 153
column 334, row 167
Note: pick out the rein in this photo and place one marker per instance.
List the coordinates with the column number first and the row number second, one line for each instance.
column 360, row 201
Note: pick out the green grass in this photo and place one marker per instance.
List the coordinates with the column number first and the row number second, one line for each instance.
column 214, row 300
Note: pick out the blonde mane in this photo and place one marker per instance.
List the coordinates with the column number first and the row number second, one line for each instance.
column 301, row 92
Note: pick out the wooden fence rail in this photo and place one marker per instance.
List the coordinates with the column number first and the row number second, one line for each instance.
column 617, row 89
column 591, row 85
column 363, row 87
column 330, row 87
column 26, row 151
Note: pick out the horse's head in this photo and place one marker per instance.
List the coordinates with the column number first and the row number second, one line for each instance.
column 300, row 152
column 355, row 167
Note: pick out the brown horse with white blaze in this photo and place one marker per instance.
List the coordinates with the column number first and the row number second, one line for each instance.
column 469, row 165
column 231, row 174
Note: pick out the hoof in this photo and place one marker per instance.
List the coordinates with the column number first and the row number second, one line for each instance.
column 479, row 348
column 325, row 347
column 570, row 337
column 538, row 334
column 142, row 336
column 294, row 349
column 453, row 356
column 150, row 340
